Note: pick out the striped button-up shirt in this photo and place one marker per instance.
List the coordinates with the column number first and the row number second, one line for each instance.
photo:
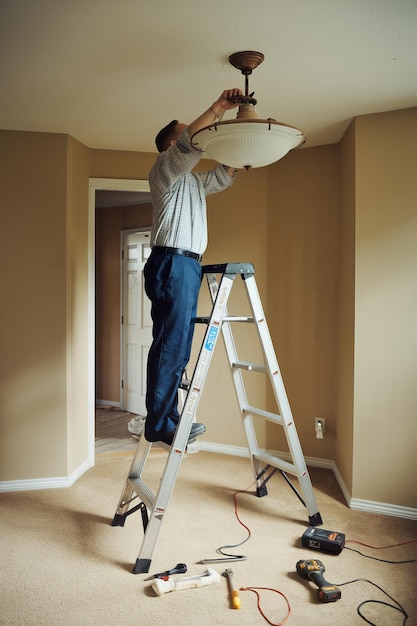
column 179, row 196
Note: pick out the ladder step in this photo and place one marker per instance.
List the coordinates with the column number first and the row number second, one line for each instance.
column 250, row 367
column 274, row 461
column 271, row 417
column 229, row 268
column 142, row 490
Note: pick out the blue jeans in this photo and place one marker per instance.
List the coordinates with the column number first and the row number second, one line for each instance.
column 172, row 283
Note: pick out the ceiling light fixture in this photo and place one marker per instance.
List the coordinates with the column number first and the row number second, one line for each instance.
column 247, row 141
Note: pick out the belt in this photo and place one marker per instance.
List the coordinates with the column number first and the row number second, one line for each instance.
column 168, row 250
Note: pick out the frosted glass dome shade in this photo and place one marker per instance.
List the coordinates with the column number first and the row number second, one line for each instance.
column 247, row 143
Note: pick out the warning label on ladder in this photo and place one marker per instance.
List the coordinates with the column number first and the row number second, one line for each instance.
column 211, row 338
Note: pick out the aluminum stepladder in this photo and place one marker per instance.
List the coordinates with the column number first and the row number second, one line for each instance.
column 220, row 279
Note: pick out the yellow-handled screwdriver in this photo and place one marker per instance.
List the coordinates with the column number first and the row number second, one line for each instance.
column 234, row 594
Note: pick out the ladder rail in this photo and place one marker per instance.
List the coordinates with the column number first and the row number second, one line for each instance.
column 136, row 467
column 299, row 468
column 281, row 399
column 237, row 379
column 159, row 503
column 277, row 382
column 139, row 460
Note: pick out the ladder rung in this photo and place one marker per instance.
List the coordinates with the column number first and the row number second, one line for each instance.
column 141, row 488
column 202, row 319
column 250, row 367
column 275, row 461
column 238, row 318
column 226, row 318
column 271, row 417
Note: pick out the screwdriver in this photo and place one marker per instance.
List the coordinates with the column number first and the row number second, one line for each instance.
column 180, row 568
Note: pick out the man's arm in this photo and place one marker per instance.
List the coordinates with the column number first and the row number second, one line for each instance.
column 231, row 171
column 224, row 102
column 173, row 163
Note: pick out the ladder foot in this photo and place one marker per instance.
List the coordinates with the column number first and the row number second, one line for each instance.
column 142, row 566
column 261, row 491
column 118, row 520
column 315, row 520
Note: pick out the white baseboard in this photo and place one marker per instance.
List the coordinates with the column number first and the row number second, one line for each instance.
column 220, row 448
column 346, row 493
column 383, row 508
column 104, row 403
column 45, row 483
column 369, row 506
column 353, row 503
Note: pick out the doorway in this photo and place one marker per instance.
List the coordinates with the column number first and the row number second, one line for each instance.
column 136, row 333
column 141, row 189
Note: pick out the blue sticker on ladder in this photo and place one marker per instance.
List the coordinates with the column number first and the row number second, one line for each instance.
column 211, row 338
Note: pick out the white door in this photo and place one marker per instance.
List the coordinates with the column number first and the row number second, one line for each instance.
column 136, row 322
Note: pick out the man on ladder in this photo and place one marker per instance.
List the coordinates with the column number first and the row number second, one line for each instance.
column 173, row 271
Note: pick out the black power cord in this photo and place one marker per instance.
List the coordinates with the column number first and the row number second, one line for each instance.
column 397, row 606
column 367, row 556
column 232, row 557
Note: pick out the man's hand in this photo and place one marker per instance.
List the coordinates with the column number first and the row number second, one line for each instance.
column 226, row 101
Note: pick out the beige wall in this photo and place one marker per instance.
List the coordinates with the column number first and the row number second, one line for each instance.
column 294, row 221
column 385, row 398
column 77, row 292
column 346, row 308
column 33, row 372
column 303, row 212
column 120, row 164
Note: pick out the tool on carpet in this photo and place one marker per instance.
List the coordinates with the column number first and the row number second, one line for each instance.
column 180, row 568
column 223, row 559
column 137, row 494
column 313, row 570
column 209, row 577
column 234, row 594
column 324, row 540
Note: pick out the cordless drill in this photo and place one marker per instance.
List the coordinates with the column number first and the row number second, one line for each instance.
column 313, row 570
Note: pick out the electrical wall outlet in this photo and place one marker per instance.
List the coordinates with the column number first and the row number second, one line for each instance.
column 319, row 427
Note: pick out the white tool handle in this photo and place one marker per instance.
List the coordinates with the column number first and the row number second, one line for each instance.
column 209, row 577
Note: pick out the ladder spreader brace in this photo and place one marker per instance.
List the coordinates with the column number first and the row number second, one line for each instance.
column 263, row 461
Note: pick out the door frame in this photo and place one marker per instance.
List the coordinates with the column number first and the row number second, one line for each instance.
column 107, row 184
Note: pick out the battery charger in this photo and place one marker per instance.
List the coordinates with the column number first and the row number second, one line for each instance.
column 323, row 540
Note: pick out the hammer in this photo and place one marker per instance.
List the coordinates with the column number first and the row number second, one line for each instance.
column 234, row 594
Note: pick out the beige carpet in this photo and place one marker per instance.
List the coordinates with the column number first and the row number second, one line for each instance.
column 62, row 563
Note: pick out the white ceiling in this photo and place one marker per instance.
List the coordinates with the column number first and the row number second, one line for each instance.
column 112, row 72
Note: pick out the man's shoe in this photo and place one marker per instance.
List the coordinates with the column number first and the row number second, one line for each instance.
column 136, row 426
column 196, row 430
